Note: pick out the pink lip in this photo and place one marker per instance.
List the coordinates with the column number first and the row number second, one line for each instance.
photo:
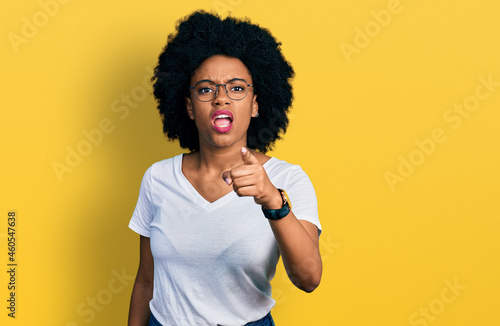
column 219, row 128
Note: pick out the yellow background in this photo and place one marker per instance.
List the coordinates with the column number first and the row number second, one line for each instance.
column 390, row 251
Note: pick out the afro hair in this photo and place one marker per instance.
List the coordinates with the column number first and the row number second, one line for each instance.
column 202, row 35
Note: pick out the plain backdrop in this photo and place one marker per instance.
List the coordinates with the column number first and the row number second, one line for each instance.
column 395, row 120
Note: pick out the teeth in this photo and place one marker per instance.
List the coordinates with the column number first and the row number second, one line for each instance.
column 222, row 116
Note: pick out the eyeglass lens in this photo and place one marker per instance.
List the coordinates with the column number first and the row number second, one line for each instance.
column 206, row 90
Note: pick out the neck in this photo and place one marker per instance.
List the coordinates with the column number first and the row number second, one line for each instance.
column 218, row 159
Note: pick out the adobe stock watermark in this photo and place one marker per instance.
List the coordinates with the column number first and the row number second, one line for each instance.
column 436, row 307
column 121, row 107
column 223, row 7
column 363, row 36
column 91, row 306
column 266, row 132
column 454, row 118
column 31, row 25
column 327, row 248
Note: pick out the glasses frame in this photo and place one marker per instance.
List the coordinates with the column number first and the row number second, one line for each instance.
column 217, row 89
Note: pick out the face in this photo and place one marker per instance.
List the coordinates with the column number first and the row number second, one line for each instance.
column 222, row 121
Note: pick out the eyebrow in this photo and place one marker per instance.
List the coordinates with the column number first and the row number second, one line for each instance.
column 208, row 80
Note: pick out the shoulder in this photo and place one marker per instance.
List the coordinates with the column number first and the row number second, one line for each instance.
column 167, row 163
column 163, row 169
column 280, row 168
column 273, row 163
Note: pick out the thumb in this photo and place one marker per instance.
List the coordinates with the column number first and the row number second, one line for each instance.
column 226, row 176
column 248, row 157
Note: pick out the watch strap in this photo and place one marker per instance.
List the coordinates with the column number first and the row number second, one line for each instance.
column 277, row 214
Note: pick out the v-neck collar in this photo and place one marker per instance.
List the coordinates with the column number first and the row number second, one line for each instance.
column 197, row 198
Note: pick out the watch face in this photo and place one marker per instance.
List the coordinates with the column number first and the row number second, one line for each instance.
column 286, row 200
column 276, row 214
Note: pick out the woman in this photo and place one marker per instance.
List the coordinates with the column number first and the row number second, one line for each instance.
column 213, row 222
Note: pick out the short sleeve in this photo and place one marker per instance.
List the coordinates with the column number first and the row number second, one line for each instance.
column 143, row 212
column 302, row 197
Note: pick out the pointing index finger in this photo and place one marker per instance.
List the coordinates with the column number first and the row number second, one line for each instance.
column 247, row 157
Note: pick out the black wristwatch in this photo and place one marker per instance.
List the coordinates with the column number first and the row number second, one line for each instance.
column 277, row 214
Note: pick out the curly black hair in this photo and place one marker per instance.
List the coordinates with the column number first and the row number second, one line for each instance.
column 202, row 35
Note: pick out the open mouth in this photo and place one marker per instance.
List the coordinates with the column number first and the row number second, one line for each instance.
column 222, row 120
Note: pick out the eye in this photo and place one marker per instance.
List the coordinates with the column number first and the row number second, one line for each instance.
column 236, row 86
column 237, row 89
column 205, row 90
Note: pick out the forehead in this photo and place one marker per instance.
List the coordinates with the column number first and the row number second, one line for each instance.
column 221, row 68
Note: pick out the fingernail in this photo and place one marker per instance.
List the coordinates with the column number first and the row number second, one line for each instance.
column 243, row 150
column 228, row 181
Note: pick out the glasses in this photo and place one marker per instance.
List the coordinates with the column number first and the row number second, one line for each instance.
column 206, row 90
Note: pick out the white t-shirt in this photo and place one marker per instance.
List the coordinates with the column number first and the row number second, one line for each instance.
column 213, row 262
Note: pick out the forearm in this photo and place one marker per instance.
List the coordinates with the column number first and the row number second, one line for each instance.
column 297, row 240
column 139, row 311
column 298, row 244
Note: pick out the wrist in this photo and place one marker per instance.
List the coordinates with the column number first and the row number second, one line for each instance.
column 275, row 202
column 282, row 211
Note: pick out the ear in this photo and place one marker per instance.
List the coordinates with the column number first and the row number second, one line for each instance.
column 189, row 108
column 255, row 106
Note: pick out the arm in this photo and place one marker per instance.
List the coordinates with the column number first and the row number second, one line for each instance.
column 299, row 247
column 142, row 292
column 297, row 240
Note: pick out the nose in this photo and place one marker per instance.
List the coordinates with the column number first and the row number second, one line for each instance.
column 221, row 97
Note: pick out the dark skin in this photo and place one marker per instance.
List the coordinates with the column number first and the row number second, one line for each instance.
column 224, row 164
column 142, row 292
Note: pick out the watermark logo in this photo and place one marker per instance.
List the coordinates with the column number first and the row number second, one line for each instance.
column 327, row 248
column 89, row 308
column 31, row 26
column 92, row 138
column 364, row 36
column 437, row 306
column 463, row 110
column 425, row 148
column 454, row 118
column 223, row 7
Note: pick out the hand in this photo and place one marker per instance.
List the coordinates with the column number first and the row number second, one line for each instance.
column 251, row 179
